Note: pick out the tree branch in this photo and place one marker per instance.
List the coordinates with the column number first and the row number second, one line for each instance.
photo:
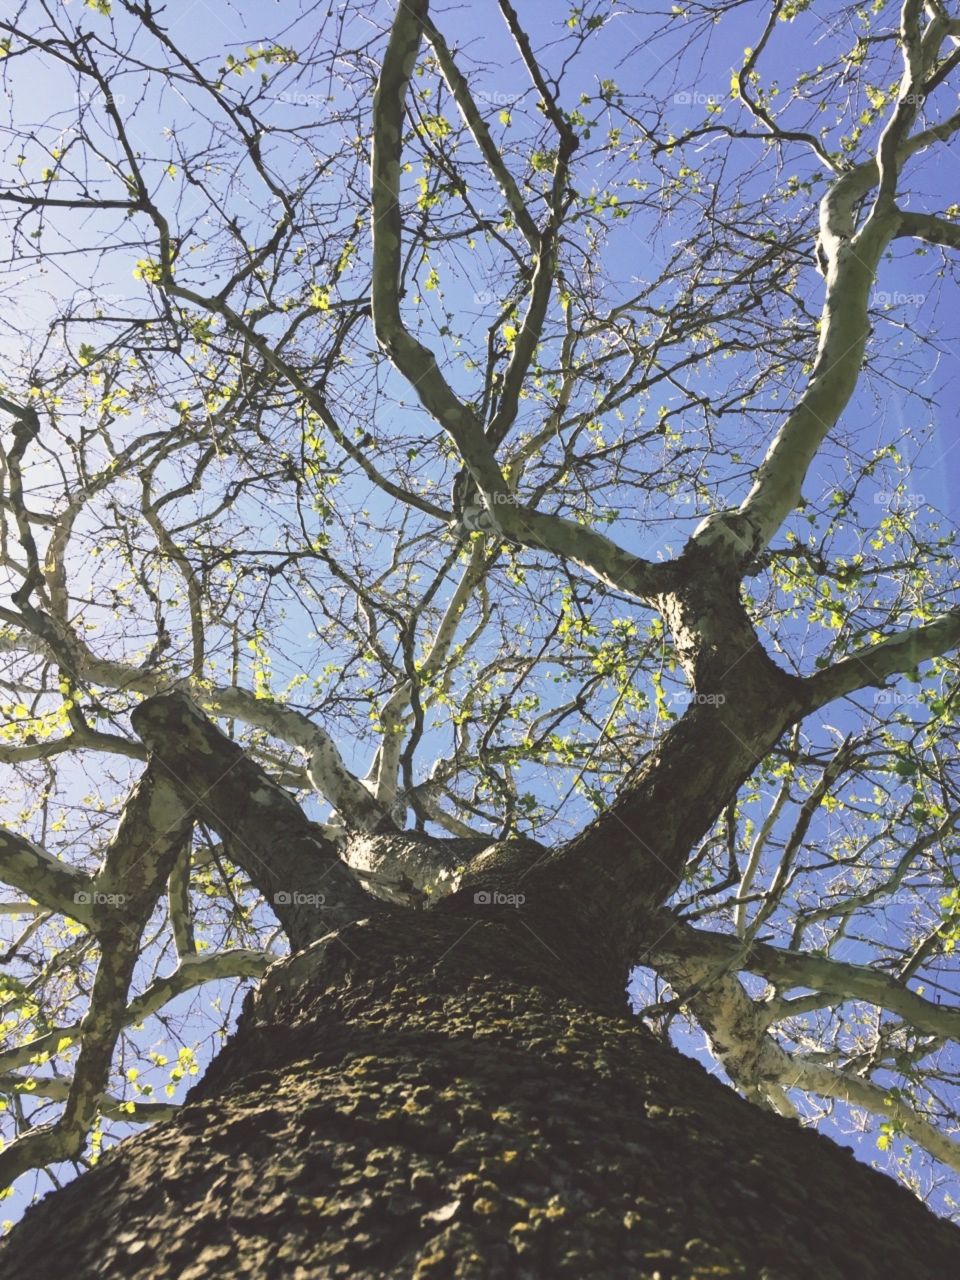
column 928, row 227
column 135, row 868
column 296, row 869
column 192, row 971
column 875, row 663
column 54, row 884
column 802, row 969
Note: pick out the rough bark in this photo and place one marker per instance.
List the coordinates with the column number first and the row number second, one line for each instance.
column 429, row 1095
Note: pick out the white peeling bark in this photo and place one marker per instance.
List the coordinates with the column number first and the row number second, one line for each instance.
column 49, row 881
column 764, row 1070
column 802, row 969
column 928, row 227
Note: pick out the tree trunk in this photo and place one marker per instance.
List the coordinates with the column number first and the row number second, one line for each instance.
column 432, row 1095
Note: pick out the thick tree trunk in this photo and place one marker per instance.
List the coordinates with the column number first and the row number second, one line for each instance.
column 435, row 1095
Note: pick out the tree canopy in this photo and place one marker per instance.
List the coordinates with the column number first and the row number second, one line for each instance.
column 398, row 388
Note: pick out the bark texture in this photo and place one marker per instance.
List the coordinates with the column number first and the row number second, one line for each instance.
column 438, row 1096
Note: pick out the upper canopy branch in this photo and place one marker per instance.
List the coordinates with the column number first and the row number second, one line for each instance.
column 875, row 663
column 417, row 363
column 802, row 969
column 850, row 256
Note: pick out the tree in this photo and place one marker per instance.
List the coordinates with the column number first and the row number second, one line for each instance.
column 305, row 530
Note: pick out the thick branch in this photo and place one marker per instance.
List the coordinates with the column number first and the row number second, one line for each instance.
column 858, row 1092
column 46, row 879
column 326, row 769
column 295, row 868
column 764, row 1069
column 801, row 969
column 927, row 226
column 850, row 258
column 415, row 361
column 135, row 868
column 597, row 554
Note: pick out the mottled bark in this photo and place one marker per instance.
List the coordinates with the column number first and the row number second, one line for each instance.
column 426, row 1096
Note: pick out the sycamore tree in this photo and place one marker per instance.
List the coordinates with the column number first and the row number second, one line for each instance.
column 471, row 517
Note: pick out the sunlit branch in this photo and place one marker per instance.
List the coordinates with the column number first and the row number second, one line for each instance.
column 803, row 969
column 191, row 972
column 122, row 895
column 872, row 665
column 760, row 1066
